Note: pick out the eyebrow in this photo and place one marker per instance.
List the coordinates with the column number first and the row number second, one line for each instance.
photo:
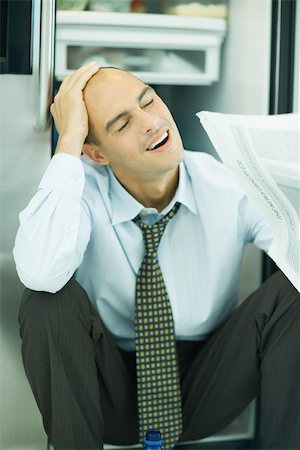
column 124, row 113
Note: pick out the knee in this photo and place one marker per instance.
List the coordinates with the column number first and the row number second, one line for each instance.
column 285, row 290
column 43, row 311
column 278, row 299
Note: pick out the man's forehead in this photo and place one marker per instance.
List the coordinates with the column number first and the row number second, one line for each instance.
column 112, row 89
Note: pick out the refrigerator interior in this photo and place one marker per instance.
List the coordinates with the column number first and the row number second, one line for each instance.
column 243, row 88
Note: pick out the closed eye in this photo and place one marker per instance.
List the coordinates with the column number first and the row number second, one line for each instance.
column 124, row 126
column 148, row 104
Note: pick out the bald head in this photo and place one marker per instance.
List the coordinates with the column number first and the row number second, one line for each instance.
column 103, row 87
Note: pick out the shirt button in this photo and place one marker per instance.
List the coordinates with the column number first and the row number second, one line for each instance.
column 79, row 180
column 72, row 227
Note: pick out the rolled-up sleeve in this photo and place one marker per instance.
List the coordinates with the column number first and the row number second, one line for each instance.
column 54, row 228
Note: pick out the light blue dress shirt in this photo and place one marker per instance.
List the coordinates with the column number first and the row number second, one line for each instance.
column 80, row 220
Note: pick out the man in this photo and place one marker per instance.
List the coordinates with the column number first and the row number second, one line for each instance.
column 155, row 236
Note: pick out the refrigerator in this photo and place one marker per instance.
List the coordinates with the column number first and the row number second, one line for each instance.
column 251, row 66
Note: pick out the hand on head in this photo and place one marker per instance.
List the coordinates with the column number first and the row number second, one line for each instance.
column 69, row 110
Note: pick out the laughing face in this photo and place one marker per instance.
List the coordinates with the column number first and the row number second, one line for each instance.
column 134, row 130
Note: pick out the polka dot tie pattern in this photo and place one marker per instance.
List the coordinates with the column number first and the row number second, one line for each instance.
column 158, row 384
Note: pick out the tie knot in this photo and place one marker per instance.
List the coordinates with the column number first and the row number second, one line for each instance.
column 153, row 233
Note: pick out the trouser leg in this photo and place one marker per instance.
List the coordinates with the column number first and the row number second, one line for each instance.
column 85, row 391
column 256, row 351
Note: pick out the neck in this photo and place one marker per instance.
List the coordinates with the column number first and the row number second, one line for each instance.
column 153, row 193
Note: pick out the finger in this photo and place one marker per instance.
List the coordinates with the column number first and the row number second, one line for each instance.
column 75, row 73
column 83, row 77
column 80, row 77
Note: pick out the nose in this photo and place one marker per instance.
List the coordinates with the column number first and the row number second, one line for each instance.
column 149, row 122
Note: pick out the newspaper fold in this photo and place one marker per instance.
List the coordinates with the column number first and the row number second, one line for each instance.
column 263, row 152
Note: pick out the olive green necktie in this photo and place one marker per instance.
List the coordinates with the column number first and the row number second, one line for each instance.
column 158, row 385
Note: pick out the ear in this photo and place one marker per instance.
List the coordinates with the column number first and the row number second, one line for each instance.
column 94, row 152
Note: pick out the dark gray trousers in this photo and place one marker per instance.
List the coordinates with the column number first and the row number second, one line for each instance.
column 85, row 386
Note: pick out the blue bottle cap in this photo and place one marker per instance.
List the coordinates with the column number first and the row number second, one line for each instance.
column 153, row 435
column 153, row 438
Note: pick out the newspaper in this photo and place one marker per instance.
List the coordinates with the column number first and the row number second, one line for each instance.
column 263, row 152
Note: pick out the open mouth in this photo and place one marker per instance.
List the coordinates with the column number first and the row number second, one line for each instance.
column 159, row 142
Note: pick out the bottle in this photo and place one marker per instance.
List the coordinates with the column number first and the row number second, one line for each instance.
column 153, row 440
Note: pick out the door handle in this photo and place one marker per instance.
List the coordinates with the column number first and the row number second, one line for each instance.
column 46, row 64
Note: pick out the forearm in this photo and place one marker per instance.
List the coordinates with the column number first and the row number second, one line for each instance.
column 54, row 228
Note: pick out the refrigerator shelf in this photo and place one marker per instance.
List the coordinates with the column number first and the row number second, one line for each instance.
column 159, row 49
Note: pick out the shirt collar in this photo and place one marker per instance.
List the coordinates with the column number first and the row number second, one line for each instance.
column 184, row 193
column 125, row 207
